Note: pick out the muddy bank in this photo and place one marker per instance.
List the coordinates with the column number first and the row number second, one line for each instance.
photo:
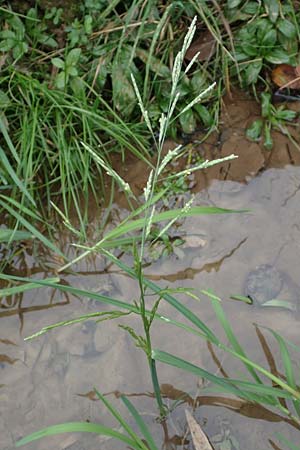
column 49, row 380
column 238, row 111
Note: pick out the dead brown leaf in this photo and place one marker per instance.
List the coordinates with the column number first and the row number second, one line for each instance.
column 286, row 76
column 205, row 44
column 199, row 438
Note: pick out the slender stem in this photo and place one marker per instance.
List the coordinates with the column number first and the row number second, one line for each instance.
column 146, row 325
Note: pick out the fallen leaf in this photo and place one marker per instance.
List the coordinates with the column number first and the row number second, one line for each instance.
column 7, row 359
column 286, row 76
column 205, row 44
column 7, row 342
column 199, row 438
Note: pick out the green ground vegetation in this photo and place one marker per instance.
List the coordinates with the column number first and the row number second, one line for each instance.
column 66, row 80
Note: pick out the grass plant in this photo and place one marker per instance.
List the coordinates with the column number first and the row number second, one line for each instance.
column 276, row 395
column 50, row 101
column 60, row 124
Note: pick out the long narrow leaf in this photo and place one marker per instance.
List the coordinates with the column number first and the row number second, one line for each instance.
column 216, row 303
column 75, row 427
column 14, row 176
column 141, row 424
column 288, row 367
column 32, row 229
column 24, row 287
column 243, row 389
column 121, row 421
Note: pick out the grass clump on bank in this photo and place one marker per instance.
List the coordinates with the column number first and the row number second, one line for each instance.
column 66, row 78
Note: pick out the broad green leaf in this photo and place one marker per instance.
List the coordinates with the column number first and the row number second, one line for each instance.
column 124, row 97
column 252, row 71
column 233, row 3
column 266, row 104
column 287, row 28
column 199, row 82
column 60, row 80
column 255, row 129
column 269, row 39
column 58, row 62
column 72, row 71
column 272, row 7
column 268, row 143
column 249, row 47
column 286, row 114
column 188, row 121
column 155, row 64
column 204, row 114
column 73, row 56
column 251, row 8
column 278, row 56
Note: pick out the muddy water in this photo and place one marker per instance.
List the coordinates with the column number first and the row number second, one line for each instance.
column 49, row 380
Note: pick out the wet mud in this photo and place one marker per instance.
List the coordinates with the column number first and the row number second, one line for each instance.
column 50, row 379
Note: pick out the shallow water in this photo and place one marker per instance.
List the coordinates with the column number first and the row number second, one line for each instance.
column 49, row 380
